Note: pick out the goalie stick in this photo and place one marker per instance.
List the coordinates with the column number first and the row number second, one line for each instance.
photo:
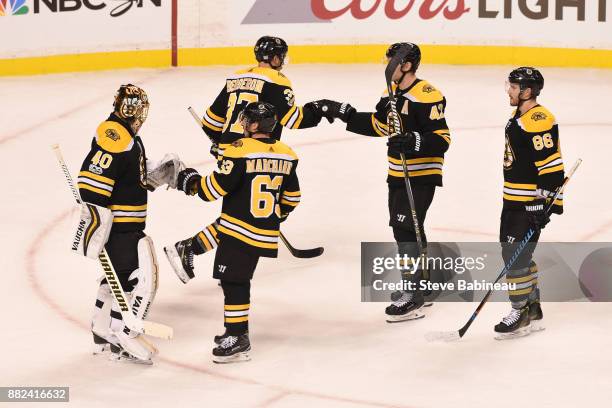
column 298, row 253
column 129, row 319
column 456, row 335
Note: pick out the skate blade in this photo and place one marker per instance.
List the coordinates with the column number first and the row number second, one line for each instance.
column 428, row 304
column 414, row 315
column 125, row 359
column 175, row 262
column 536, row 326
column 236, row 358
column 100, row 349
column 523, row 332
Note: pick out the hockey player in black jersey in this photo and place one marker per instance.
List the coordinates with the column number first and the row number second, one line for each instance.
column 259, row 185
column 424, row 139
column 265, row 83
column 533, row 170
column 113, row 184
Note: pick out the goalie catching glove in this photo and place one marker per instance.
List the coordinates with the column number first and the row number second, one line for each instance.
column 92, row 231
column 164, row 172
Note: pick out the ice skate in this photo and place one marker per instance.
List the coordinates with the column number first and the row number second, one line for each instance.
column 536, row 317
column 409, row 306
column 180, row 256
column 515, row 325
column 232, row 349
column 135, row 349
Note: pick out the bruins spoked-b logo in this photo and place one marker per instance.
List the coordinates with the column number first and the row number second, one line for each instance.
column 538, row 116
column 112, row 134
column 508, row 155
column 428, row 88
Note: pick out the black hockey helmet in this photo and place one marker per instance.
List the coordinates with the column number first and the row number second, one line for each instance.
column 413, row 56
column 262, row 113
column 527, row 77
column 132, row 105
column 267, row 47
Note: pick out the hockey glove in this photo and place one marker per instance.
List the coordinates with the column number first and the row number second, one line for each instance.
column 187, row 181
column 409, row 142
column 536, row 214
column 331, row 109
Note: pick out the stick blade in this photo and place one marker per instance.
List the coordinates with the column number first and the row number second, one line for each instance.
column 448, row 336
column 307, row 253
column 158, row 330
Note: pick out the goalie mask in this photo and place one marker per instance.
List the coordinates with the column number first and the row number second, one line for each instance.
column 132, row 105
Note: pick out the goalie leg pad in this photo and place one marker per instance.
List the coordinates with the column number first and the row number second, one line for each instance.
column 144, row 279
column 101, row 319
column 92, row 231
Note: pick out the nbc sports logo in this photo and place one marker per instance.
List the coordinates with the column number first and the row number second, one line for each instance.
column 13, row 7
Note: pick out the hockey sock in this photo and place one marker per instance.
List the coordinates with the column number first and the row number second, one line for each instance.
column 236, row 307
column 523, row 281
column 534, row 296
column 206, row 240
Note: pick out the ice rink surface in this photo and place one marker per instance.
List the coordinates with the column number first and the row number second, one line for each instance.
column 314, row 343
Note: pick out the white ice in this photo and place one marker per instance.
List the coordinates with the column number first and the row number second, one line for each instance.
column 314, row 342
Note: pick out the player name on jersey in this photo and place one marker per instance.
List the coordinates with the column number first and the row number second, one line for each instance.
column 244, row 84
column 269, row 166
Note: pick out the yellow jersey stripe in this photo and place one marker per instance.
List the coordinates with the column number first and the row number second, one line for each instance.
column 215, row 116
column 237, row 235
column 236, row 319
column 216, row 185
column 548, row 159
column 551, row 170
column 380, row 131
column 211, row 126
column 249, row 227
column 94, row 189
column 129, row 219
column 288, row 115
column 204, row 187
column 420, row 160
column 127, row 207
column 237, row 307
column 520, row 186
column 521, row 291
column 416, row 173
column 204, row 240
column 521, row 279
column 297, row 123
column 97, row 177
column 212, row 230
column 292, row 193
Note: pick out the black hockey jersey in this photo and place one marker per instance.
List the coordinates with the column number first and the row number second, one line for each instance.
column 258, row 182
column 221, row 119
column 421, row 108
column 532, row 158
column 113, row 175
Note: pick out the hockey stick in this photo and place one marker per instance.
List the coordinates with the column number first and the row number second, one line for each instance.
column 141, row 326
column 298, row 253
column 456, row 335
column 391, row 66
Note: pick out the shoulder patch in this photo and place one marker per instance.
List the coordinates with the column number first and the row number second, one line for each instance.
column 424, row 92
column 237, row 143
column 113, row 137
column 537, row 120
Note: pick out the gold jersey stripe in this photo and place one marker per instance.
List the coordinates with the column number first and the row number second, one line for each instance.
column 207, row 192
column 94, row 189
column 211, row 126
column 237, row 307
column 292, row 193
column 97, row 177
column 215, row 116
column 129, row 219
column 127, row 207
column 245, row 239
column 288, row 115
column 298, row 122
column 551, row 170
column 420, row 160
column 204, row 240
column 216, row 185
column 548, row 159
column 520, row 186
column 518, row 292
column 249, row 227
column 521, row 279
column 417, row 173
column 236, row 319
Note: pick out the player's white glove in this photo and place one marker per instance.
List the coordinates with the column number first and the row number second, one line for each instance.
column 165, row 171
